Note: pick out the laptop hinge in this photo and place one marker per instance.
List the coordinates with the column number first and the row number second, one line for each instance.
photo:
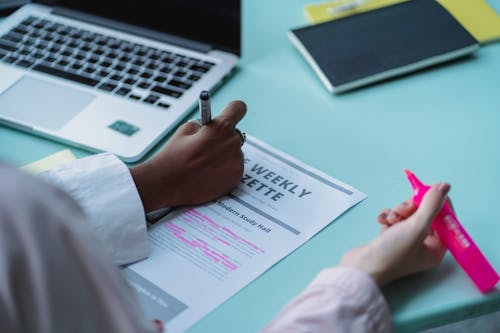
column 135, row 30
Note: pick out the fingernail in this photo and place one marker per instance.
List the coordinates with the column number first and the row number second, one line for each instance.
column 444, row 187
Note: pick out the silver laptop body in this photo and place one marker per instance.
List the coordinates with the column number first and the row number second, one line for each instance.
column 93, row 84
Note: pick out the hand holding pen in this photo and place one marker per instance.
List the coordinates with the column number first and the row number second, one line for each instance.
column 201, row 162
column 206, row 114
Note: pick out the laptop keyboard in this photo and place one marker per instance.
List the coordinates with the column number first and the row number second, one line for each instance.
column 116, row 66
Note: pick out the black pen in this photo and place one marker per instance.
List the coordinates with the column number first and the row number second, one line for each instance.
column 205, row 108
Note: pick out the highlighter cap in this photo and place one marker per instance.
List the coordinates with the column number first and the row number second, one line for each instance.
column 419, row 188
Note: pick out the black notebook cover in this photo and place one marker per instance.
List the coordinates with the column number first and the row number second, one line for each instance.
column 361, row 49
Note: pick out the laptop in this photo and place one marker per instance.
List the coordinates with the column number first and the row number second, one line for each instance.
column 109, row 75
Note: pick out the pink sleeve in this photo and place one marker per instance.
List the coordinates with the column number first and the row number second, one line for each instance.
column 339, row 299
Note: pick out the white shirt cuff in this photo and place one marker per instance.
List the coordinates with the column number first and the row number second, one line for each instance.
column 104, row 188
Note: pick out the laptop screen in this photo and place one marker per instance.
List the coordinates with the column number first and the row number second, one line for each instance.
column 214, row 22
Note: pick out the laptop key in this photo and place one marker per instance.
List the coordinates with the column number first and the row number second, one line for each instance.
column 20, row 29
column 63, row 63
column 107, row 86
column 106, row 63
column 103, row 73
column 122, row 91
column 65, row 75
column 29, row 20
column 24, row 63
column 116, row 77
column 50, row 59
column 67, row 52
column 208, row 64
column 80, row 56
column 139, row 62
column 194, row 77
column 13, row 37
column 99, row 51
column 119, row 67
column 7, row 46
column 168, row 60
column 41, row 45
column 144, row 85
column 130, row 81
column 198, row 68
column 179, row 84
column 182, row 63
column 163, row 105
column 9, row 60
column 180, row 73
column 89, row 69
column 160, row 79
column 76, row 66
column 165, row 69
column 167, row 91
column 151, row 99
column 152, row 66
column 133, row 71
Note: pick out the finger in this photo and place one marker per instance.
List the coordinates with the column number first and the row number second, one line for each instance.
column 232, row 114
column 434, row 242
column 406, row 208
column 431, row 205
column 394, row 217
column 189, row 128
column 435, row 250
column 382, row 216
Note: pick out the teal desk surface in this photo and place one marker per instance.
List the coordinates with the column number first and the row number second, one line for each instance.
column 442, row 123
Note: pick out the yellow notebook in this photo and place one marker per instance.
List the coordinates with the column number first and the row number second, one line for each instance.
column 476, row 16
column 325, row 11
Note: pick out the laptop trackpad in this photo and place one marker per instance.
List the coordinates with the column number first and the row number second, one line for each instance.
column 42, row 104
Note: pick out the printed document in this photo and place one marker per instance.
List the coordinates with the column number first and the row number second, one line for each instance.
column 201, row 256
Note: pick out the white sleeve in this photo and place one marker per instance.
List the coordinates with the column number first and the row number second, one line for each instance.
column 104, row 188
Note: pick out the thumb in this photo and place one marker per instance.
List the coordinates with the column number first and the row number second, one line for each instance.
column 431, row 205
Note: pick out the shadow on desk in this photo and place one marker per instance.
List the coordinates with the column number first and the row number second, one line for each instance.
column 489, row 323
column 409, row 290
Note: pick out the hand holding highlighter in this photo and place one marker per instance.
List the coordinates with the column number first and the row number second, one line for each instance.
column 455, row 238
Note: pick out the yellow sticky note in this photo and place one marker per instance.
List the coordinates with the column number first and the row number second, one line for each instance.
column 477, row 17
column 49, row 162
column 325, row 11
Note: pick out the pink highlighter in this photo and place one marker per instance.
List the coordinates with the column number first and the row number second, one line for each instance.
column 455, row 238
